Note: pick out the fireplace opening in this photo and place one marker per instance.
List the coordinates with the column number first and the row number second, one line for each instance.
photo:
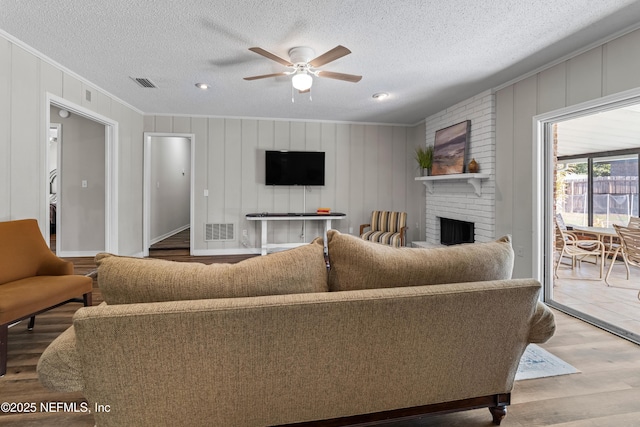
column 453, row 232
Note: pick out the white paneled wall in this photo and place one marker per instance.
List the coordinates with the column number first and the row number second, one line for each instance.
column 601, row 71
column 367, row 167
column 457, row 199
column 25, row 79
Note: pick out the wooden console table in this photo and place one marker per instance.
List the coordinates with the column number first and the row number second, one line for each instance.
column 265, row 217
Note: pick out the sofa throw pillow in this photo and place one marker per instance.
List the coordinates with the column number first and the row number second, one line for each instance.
column 124, row 280
column 359, row 264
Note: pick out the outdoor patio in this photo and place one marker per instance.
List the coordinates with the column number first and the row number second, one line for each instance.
column 582, row 290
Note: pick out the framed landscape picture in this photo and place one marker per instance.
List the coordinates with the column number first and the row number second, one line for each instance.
column 449, row 149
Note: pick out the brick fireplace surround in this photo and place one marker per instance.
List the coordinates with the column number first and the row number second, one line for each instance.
column 457, row 199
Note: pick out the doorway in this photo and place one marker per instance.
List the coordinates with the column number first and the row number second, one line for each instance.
column 78, row 180
column 85, row 214
column 588, row 164
column 168, row 188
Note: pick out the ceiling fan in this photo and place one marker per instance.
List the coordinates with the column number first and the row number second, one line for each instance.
column 303, row 66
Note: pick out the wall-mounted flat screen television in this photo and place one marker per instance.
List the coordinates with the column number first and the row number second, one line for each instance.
column 294, row 168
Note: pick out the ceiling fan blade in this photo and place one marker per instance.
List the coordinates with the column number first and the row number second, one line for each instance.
column 271, row 56
column 265, row 76
column 340, row 76
column 332, row 55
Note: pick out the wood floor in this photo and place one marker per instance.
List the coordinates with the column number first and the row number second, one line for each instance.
column 179, row 240
column 605, row 393
column 617, row 303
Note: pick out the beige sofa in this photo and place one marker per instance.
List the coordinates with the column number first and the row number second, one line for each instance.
column 274, row 340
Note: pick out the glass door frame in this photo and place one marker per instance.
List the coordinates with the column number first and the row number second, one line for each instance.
column 543, row 197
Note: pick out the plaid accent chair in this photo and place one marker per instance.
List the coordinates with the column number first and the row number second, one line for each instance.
column 388, row 228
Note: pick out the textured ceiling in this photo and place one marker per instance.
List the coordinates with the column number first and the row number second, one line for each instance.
column 427, row 54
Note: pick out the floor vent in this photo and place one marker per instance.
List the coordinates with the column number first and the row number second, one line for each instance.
column 142, row 82
column 219, row 232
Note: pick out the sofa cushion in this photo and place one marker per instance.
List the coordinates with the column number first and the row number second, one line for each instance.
column 124, row 280
column 359, row 264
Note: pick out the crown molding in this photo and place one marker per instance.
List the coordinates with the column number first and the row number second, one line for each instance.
column 19, row 43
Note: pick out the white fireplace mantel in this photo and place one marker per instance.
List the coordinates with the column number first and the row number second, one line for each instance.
column 474, row 179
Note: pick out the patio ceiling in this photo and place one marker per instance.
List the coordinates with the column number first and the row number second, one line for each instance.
column 607, row 131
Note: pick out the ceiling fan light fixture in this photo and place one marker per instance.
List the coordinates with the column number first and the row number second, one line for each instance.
column 302, row 81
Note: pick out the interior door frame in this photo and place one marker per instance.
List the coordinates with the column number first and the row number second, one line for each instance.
column 111, row 169
column 146, row 187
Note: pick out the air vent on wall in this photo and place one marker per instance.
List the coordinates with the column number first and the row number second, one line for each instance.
column 219, row 232
column 143, row 82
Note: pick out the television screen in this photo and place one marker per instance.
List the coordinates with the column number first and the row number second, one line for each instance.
column 294, row 168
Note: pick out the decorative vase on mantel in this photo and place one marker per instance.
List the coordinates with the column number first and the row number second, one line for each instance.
column 473, row 167
column 426, row 171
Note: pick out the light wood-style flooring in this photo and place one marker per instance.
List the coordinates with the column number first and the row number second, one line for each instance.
column 617, row 303
column 605, row 393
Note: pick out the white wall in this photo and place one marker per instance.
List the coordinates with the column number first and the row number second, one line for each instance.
column 368, row 167
column 25, row 79
column 360, row 178
column 604, row 70
column 170, row 186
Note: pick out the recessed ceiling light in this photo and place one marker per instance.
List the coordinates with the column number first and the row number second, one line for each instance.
column 380, row 96
column 202, row 86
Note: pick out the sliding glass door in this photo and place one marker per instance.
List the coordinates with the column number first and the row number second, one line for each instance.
column 593, row 183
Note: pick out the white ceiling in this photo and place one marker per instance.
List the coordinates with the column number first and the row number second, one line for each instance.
column 613, row 130
column 427, row 54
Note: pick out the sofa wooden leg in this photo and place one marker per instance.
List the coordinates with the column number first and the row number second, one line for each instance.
column 88, row 302
column 4, row 335
column 498, row 413
column 32, row 322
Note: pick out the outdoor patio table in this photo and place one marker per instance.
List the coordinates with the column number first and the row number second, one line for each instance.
column 604, row 234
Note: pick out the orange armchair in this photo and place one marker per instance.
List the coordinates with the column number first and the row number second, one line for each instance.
column 32, row 279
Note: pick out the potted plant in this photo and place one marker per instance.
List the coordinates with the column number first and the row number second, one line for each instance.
column 424, row 157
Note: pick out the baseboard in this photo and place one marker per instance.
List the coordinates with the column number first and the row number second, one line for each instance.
column 79, row 254
column 136, row 255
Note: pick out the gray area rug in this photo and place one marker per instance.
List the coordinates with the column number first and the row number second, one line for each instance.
column 537, row 362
